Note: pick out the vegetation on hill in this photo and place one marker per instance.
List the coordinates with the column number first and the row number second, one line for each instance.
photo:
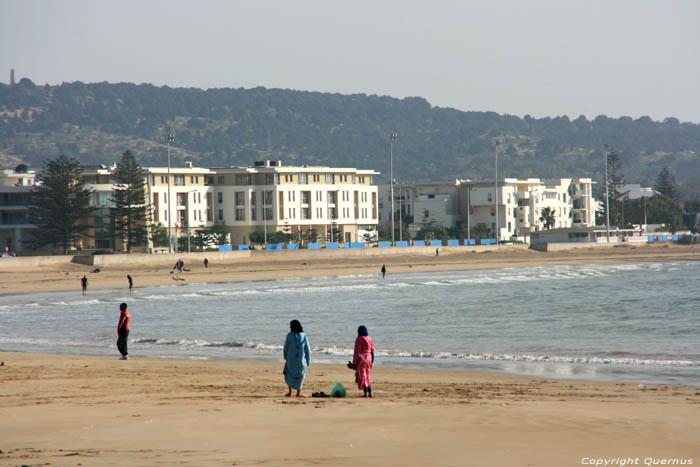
column 98, row 122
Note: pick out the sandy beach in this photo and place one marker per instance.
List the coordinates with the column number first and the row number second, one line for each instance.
column 89, row 410
column 68, row 410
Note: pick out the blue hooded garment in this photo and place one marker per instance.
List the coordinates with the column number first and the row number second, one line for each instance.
column 297, row 356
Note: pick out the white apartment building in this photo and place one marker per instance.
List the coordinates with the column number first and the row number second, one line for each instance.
column 514, row 207
column 15, row 194
column 272, row 197
column 517, row 203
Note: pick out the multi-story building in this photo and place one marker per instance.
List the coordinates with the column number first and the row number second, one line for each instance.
column 266, row 197
column 15, row 195
column 270, row 197
column 511, row 206
column 514, row 207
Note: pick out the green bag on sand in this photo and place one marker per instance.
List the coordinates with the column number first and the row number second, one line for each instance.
column 338, row 390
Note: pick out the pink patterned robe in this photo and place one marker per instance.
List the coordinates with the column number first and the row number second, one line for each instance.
column 362, row 359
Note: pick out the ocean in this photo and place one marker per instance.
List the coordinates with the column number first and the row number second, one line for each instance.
column 619, row 322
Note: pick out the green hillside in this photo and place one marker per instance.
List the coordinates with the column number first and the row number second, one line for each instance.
column 222, row 127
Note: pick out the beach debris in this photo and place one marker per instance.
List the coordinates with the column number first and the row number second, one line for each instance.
column 96, row 270
column 642, row 386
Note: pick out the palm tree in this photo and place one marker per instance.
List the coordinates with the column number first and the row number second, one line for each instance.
column 547, row 218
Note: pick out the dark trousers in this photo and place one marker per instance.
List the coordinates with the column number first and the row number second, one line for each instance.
column 122, row 342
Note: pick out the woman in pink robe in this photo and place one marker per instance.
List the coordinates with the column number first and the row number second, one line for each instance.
column 363, row 360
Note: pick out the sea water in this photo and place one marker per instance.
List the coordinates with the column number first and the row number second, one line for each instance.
column 621, row 322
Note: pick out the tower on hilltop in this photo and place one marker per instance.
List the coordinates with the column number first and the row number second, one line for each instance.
column 12, row 77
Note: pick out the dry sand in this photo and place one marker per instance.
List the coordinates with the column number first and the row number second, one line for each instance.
column 94, row 410
column 68, row 410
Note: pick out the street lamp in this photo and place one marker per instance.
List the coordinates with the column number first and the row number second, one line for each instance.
column 496, row 144
column 607, row 198
column 400, row 209
column 264, row 216
column 171, row 138
column 391, row 182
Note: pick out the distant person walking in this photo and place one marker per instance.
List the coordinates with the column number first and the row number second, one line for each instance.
column 297, row 356
column 83, row 282
column 383, row 270
column 179, row 265
column 123, row 332
column 131, row 283
column 362, row 360
column 206, row 263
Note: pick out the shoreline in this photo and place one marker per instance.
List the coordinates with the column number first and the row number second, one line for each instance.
column 97, row 410
column 66, row 276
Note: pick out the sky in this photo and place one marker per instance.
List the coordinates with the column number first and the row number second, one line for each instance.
column 544, row 58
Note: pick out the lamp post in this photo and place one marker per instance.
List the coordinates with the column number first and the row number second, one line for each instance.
column 391, row 182
column 607, row 197
column 264, row 216
column 497, row 142
column 400, row 214
column 171, row 137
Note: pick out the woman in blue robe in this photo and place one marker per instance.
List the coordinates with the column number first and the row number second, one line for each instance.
column 297, row 356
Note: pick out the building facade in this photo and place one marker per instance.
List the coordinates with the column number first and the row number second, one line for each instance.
column 512, row 207
column 15, row 197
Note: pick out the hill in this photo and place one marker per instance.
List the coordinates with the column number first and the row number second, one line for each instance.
column 221, row 127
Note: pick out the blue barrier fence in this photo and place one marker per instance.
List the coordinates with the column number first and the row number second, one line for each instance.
column 402, row 243
column 419, row 243
column 435, row 242
column 354, row 244
column 292, row 246
column 452, row 242
column 384, row 244
column 332, row 245
column 225, row 248
column 243, row 247
column 314, row 246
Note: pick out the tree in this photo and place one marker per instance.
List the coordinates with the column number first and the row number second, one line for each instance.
column 666, row 184
column 616, row 179
column 159, row 235
column 480, row 231
column 59, row 203
column 130, row 212
column 548, row 217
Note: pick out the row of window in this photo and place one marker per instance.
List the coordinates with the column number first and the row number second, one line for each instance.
column 276, row 178
column 291, row 197
column 305, row 213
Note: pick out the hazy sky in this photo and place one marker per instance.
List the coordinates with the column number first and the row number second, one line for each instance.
column 542, row 57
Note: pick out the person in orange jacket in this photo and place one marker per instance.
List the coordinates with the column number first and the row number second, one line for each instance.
column 123, row 332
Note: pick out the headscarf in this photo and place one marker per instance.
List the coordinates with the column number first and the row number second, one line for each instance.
column 362, row 331
column 295, row 326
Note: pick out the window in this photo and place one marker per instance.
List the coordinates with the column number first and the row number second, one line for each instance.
column 267, row 197
column 220, row 197
column 179, row 180
column 303, row 179
column 242, row 179
column 305, row 197
column 268, row 213
column 221, row 214
column 162, row 180
column 329, row 178
column 191, row 179
column 489, row 197
column 269, row 179
column 305, row 213
column 362, row 179
column 240, row 198
column 240, row 214
column 222, row 180
column 316, row 178
column 493, row 212
column 181, row 199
